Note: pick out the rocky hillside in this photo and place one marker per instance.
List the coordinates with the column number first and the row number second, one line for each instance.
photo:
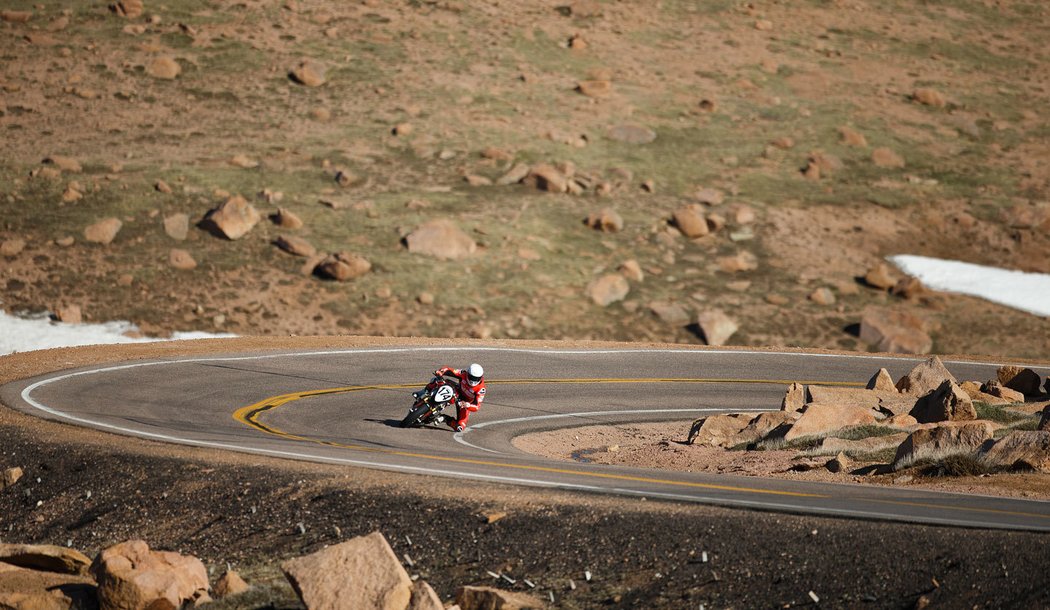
column 692, row 172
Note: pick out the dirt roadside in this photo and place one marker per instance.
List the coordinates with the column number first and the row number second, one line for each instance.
column 88, row 489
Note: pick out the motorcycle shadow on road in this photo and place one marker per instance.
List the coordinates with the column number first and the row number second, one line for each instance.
column 396, row 423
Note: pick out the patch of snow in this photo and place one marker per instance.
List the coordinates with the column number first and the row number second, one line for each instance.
column 23, row 334
column 1025, row 291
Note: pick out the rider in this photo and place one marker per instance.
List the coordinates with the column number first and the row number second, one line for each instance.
column 471, row 390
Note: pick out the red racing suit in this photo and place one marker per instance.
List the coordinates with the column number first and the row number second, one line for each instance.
column 470, row 397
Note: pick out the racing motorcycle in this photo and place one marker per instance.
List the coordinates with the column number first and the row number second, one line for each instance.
column 430, row 404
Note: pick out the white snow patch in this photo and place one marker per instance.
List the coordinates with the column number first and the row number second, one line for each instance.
column 23, row 334
column 1025, row 291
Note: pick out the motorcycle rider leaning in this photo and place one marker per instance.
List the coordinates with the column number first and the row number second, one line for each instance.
column 471, row 390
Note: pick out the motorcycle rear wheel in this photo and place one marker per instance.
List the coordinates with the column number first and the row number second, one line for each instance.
column 415, row 416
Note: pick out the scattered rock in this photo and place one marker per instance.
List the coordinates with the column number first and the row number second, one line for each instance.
column 162, row 187
column 946, row 438
column 44, row 557
column 947, row 403
column 177, row 226
column 606, row 220
column 181, row 260
column 594, row 88
column 707, row 105
column 229, row 585
column 744, row 215
column 608, row 289
column 72, row 193
column 880, row 276
column 690, row 221
column 631, row 134
column 900, row 421
column 360, row 573
column 130, row 575
column 296, row 246
column 852, row 137
column 127, row 8
column 343, row 266
column 882, row 382
column 477, row 180
column 929, row 97
column 103, row 231
column 488, row 598
column 286, row 219
column 632, row 271
column 909, row 288
column 164, row 68
column 886, row 158
column 1023, row 380
column 66, row 164
column 402, row 129
column 716, row 327
column 925, row 377
column 822, row 296
column 1022, row 450
column 783, row 143
column 10, row 476
column 973, row 389
column 895, row 332
column 764, row 423
column 994, row 388
column 69, row 314
column 794, row 399
column 425, row 298
column 441, row 239
column 308, row 74
column 547, row 178
column 232, row 219
column 853, row 397
column 825, row 418
column 424, row 597
column 670, row 313
column 243, row 161
column 516, row 174
column 12, row 247
column 840, row 463
column 742, row 261
column 718, row 430
column 709, row 196
column 16, row 16
column 764, row 25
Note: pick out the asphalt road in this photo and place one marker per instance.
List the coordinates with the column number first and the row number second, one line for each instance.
column 343, row 406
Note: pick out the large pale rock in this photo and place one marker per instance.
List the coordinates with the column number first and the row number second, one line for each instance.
column 164, row 68
column 488, row 598
column 424, row 597
column 716, row 326
column 229, row 584
column 1022, row 450
column 994, row 388
column 718, row 430
column 547, row 178
column 973, row 389
column 34, row 600
column 608, row 289
column 44, row 557
column 103, row 231
column 177, row 226
column 10, row 476
column 132, row 577
column 360, row 573
column 690, row 221
column 12, row 247
column 882, row 382
column 670, row 313
column 948, row 437
column 880, row 276
column 897, row 404
column 296, row 246
column 925, row 378
column 1023, row 380
column 895, row 332
column 763, row 424
column 342, row 266
column 947, row 403
column 855, row 397
column 441, row 239
column 232, row 219
column 823, row 418
column 308, row 73
column 794, row 399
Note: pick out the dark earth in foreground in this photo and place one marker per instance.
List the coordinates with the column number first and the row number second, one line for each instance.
column 245, row 512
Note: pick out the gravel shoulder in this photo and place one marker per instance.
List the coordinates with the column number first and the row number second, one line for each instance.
column 88, row 489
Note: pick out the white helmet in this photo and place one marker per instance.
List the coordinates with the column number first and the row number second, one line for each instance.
column 475, row 373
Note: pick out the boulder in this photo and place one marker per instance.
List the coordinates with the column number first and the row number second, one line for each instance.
column 1044, row 422
column 820, row 419
column 229, row 584
column 882, row 382
column 10, row 476
column 232, row 219
column 362, row 572
column 929, row 97
column 1025, row 381
column 856, row 397
column 296, row 246
column 489, row 598
column 424, row 597
column 948, row 438
column 35, row 600
column 441, row 239
column 670, row 313
column 994, row 388
column 514, row 175
column 12, row 247
column 763, row 424
column 925, row 378
column 900, row 421
column 718, row 430
column 794, row 399
column 608, row 289
column 897, row 404
column 44, row 557
column 286, row 219
column 880, row 276
column 128, row 8
column 177, row 226
column 632, row 271
column 342, row 266
column 973, row 390
column 103, row 231
column 839, row 463
column 690, row 221
column 742, row 261
column 308, row 73
column 547, row 178
column 606, row 220
column 132, row 577
column 69, row 314
column 716, row 326
column 66, row 164
column 181, row 260
column 947, row 403
column 1021, row 450
column 895, row 332
column 164, row 68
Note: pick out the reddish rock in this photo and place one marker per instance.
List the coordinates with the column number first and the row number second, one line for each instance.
column 895, row 332
column 608, row 289
column 295, row 246
column 1022, row 450
column 946, row 438
column 181, row 260
column 342, row 266
column 442, row 240
column 690, row 221
column 230, row 584
column 103, row 231
column 424, row 597
column 308, row 73
column 488, row 598
column 852, row 137
column 716, row 327
column 994, row 388
column 973, row 390
column 794, row 399
column 10, row 476
column 69, row 314
column 855, row 397
column 880, row 276
column 819, row 419
column 606, row 220
column 822, row 296
column 232, row 219
column 66, row 164
column 286, row 219
column 718, row 430
column 177, row 226
column 742, row 261
column 1023, row 380
column 632, row 271
column 547, row 178
column 164, row 68
column 44, row 557
column 12, row 247
column 909, row 288
column 362, row 572
column 947, row 403
column 594, row 88
column 127, row 8
column 887, row 158
column 763, row 424
column 131, row 576
column 929, row 97
column 882, row 382
column 925, row 378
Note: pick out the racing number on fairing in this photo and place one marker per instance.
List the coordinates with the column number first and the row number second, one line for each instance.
column 444, row 393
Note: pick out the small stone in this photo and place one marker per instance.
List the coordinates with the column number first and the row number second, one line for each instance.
column 929, row 97
column 764, row 25
column 66, row 164
column 164, row 68
column 127, row 8
column 425, row 298
column 229, row 584
column 476, row 180
column 103, row 231
column 177, row 226
column 10, row 476
column 295, row 246
column 594, row 88
column 16, row 16
column 181, row 260
column 710, row 196
column 690, row 221
column 716, row 327
column 308, row 74
column 12, row 247
column 606, row 220
column 880, row 277
column 162, row 187
column 670, row 313
column 286, row 219
column 343, row 266
column 402, row 129
column 632, row 271
column 783, row 143
column 822, row 296
column 515, row 175
column 886, row 158
column 743, row 261
column 608, row 289
column 852, row 137
column 322, row 115
column 243, row 161
column 69, row 314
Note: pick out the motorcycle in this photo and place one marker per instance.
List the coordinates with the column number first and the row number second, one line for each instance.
column 429, row 406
